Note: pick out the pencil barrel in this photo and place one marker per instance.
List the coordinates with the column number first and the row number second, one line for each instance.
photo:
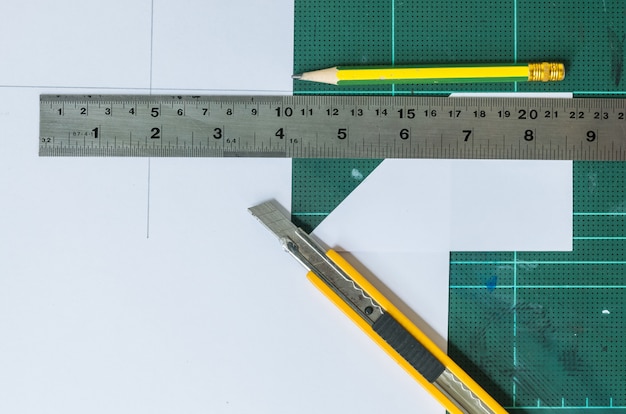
column 438, row 74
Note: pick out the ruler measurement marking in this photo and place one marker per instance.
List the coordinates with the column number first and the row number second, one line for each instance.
column 550, row 130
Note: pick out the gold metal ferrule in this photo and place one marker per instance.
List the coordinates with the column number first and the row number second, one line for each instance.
column 546, row 72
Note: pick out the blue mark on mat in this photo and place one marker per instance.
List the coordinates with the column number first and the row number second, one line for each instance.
column 491, row 283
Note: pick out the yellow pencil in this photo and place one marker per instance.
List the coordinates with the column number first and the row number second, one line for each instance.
column 433, row 74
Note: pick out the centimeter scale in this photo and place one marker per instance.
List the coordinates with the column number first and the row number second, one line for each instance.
column 332, row 127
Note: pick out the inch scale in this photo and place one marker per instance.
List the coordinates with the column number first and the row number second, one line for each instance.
column 332, row 127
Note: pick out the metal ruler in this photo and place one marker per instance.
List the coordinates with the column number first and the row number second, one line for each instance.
column 332, row 127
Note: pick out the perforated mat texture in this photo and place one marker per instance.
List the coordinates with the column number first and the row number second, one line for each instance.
column 541, row 331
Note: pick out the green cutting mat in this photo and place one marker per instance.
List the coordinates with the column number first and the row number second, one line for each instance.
column 588, row 36
column 546, row 329
column 541, row 331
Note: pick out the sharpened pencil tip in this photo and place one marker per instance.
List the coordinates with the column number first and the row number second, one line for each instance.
column 298, row 76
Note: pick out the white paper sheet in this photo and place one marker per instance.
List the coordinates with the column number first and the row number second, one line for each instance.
column 401, row 235
column 456, row 205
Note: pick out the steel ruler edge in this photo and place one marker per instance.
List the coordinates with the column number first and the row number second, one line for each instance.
column 313, row 126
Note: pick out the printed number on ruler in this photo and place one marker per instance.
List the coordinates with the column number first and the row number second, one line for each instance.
column 332, row 127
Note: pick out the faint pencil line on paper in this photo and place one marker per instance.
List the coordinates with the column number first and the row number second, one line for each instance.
column 151, row 54
column 151, row 40
column 148, row 204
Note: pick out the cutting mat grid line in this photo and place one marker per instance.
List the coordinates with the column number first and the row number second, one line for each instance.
column 542, row 331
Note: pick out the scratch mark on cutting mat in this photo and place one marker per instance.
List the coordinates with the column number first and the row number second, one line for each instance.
column 616, row 45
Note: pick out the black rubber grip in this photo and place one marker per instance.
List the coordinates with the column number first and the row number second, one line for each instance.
column 406, row 345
